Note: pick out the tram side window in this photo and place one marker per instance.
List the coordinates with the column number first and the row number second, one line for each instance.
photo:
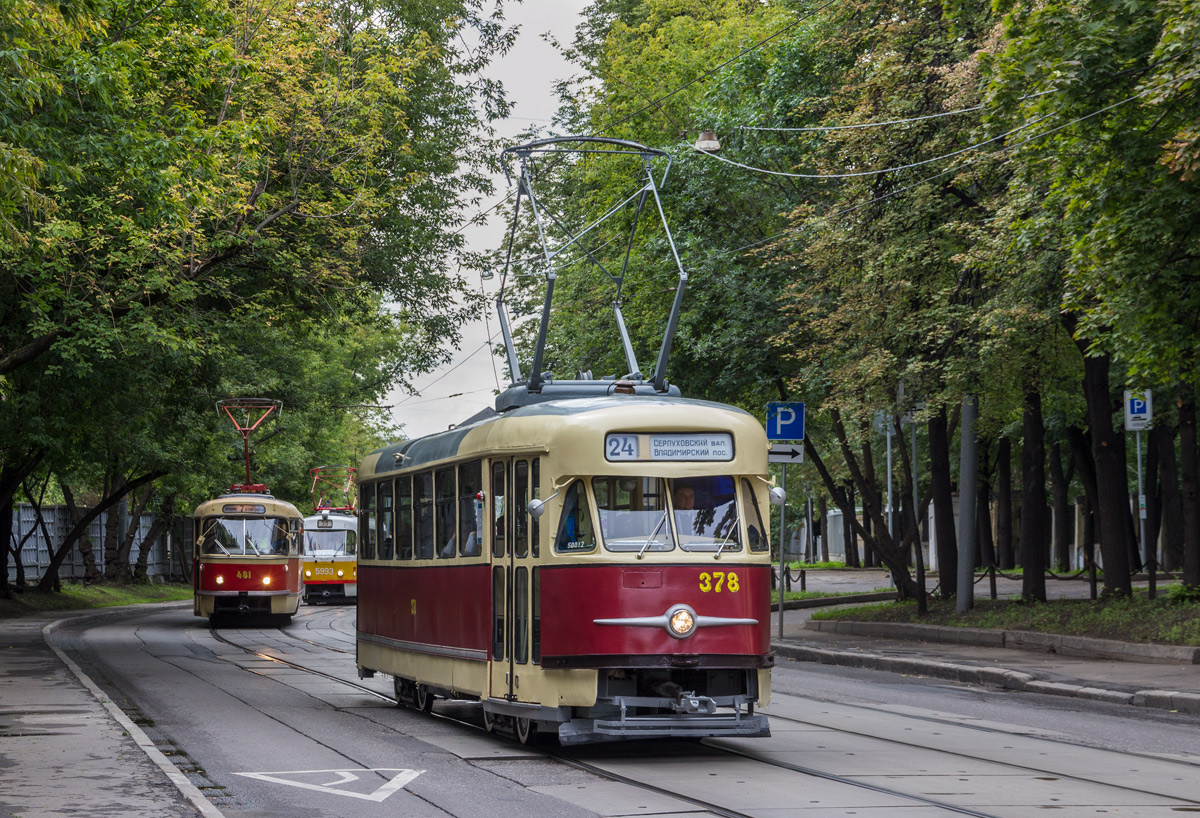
column 499, row 599
column 757, row 534
column 387, row 521
column 423, row 522
column 404, row 515
column 521, row 615
column 351, row 543
column 575, row 531
column 498, row 495
column 535, row 607
column 470, row 510
column 535, row 527
column 521, row 497
column 444, row 512
column 367, row 521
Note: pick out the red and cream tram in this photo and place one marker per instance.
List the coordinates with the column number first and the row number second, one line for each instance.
column 591, row 567
column 249, row 546
column 248, row 556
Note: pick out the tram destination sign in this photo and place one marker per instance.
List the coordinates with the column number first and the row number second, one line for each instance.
column 685, row 446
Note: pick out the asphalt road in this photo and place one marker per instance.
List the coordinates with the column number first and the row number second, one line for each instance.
column 262, row 738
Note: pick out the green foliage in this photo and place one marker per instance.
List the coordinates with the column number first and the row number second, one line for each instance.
column 1129, row 619
column 214, row 199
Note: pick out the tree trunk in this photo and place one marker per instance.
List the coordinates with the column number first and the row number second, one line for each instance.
column 1132, row 552
column 847, row 526
column 1004, row 510
column 1033, row 498
column 1171, row 500
column 1153, row 505
column 123, row 568
column 91, row 573
column 943, row 503
column 1191, row 488
column 11, row 478
column 869, row 557
column 1060, row 490
column 1112, row 506
column 50, row 578
column 112, row 526
column 888, row 550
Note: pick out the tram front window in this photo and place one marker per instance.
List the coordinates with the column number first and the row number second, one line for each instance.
column 633, row 513
column 329, row 543
column 705, row 513
column 255, row 537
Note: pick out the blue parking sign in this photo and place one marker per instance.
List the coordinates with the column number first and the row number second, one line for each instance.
column 1139, row 409
column 785, row 420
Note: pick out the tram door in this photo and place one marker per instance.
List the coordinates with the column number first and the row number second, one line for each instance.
column 516, row 620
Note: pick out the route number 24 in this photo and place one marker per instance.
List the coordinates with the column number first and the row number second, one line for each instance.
column 713, row 582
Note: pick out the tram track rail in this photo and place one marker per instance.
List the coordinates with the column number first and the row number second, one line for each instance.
column 609, row 775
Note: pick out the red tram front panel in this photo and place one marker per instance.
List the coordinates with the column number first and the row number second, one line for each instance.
column 573, row 598
column 433, row 609
column 260, row 577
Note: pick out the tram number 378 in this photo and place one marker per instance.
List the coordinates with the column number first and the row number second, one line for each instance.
column 718, row 581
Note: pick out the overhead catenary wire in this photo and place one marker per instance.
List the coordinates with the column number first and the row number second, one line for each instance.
column 860, row 173
column 862, row 125
column 1001, row 150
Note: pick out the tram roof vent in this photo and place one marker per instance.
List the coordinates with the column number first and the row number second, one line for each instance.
column 519, row 395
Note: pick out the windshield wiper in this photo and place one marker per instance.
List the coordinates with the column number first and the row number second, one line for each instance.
column 217, row 543
column 250, row 542
column 650, row 539
column 721, row 547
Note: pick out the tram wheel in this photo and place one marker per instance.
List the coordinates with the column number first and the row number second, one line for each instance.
column 400, row 689
column 525, row 730
column 424, row 699
column 489, row 721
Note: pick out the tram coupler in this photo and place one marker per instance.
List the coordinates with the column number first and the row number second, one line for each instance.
column 692, row 704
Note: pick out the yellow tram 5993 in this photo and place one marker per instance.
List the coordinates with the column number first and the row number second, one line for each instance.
column 331, row 537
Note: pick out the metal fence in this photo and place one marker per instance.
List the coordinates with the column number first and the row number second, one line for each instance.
column 36, row 552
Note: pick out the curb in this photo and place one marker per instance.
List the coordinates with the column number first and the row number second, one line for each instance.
column 990, row 676
column 1021, row 640
column 830, row 601
column 186, row 788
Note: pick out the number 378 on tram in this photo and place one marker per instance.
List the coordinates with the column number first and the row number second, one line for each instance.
column 591, row 568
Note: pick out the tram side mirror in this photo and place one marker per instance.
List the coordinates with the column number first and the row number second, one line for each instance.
column 778, row 496
column 537, row 508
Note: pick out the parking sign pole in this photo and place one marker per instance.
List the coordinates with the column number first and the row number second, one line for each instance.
column 782, row 512
column 1151, row 551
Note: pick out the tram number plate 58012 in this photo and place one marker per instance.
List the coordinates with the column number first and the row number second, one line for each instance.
column 719, row 581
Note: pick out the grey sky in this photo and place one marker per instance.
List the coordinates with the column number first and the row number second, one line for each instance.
column 528, row 72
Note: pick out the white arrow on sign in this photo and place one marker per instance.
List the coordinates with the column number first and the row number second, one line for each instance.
column 786, row 454
column 397, row 782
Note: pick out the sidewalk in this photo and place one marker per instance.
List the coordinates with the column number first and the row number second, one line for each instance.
column 1158, row 676
column 65, row 749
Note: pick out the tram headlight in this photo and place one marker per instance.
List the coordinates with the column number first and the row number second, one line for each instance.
column 307, row 572
column 341, row 573
column 220, row 580
column 682, row 622
column 266, row 580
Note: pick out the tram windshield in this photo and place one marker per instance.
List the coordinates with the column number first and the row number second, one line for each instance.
column 652, row 514
column 705, row 513
column 633, row 513
column 330, row 543
column 245, row 536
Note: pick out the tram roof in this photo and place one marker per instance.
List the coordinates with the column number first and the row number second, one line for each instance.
column 445, row 445
column 271, row 504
